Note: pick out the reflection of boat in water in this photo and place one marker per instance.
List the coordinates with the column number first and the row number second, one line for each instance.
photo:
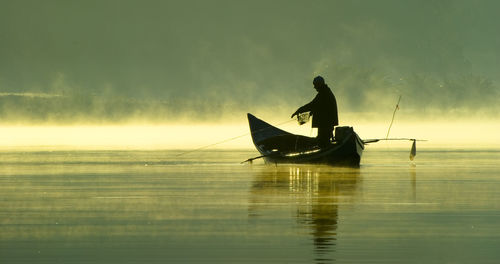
column 278, row 146
column 313, row 192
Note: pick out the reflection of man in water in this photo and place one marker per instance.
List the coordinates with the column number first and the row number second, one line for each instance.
column 315, row 195
column 323, row 108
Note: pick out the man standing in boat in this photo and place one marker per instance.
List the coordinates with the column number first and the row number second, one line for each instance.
column 323, row 108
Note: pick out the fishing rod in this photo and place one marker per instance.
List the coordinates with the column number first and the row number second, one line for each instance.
column 229, row 139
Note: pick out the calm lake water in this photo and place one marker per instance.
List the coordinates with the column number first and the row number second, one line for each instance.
column 206, row 207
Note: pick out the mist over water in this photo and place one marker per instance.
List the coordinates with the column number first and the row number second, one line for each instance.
column 116, row 62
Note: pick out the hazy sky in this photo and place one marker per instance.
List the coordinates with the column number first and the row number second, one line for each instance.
column 114, row 60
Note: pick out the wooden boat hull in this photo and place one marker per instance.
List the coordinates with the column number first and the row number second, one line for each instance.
column 279, row 146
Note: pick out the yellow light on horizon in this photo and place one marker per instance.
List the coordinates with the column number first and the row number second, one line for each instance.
column 123, row 137
column 230, row 136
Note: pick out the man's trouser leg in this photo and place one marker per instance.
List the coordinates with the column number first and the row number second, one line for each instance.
column 324, row 135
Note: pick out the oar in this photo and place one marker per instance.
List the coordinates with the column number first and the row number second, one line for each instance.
column 413, row 151
column 373, row 140
column 252, row 159
column 262, row 156
column 366, row 141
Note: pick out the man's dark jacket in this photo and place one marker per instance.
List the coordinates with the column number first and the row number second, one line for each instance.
column 323, row 108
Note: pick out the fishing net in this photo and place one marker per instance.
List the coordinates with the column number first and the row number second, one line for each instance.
column 303, row 118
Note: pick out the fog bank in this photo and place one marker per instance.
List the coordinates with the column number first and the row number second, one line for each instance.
column 114, row 62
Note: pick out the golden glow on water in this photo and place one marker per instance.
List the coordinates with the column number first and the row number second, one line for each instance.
column 452, row 134
column 95, row 206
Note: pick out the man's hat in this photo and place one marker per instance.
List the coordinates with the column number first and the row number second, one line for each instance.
column 318, row 80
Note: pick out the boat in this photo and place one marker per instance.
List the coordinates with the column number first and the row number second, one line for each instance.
column 279, row 146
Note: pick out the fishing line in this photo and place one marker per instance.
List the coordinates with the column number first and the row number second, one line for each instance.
column 230, row 139
column 393, row 115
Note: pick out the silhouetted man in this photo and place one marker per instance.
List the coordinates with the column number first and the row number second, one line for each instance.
column 323, row 108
